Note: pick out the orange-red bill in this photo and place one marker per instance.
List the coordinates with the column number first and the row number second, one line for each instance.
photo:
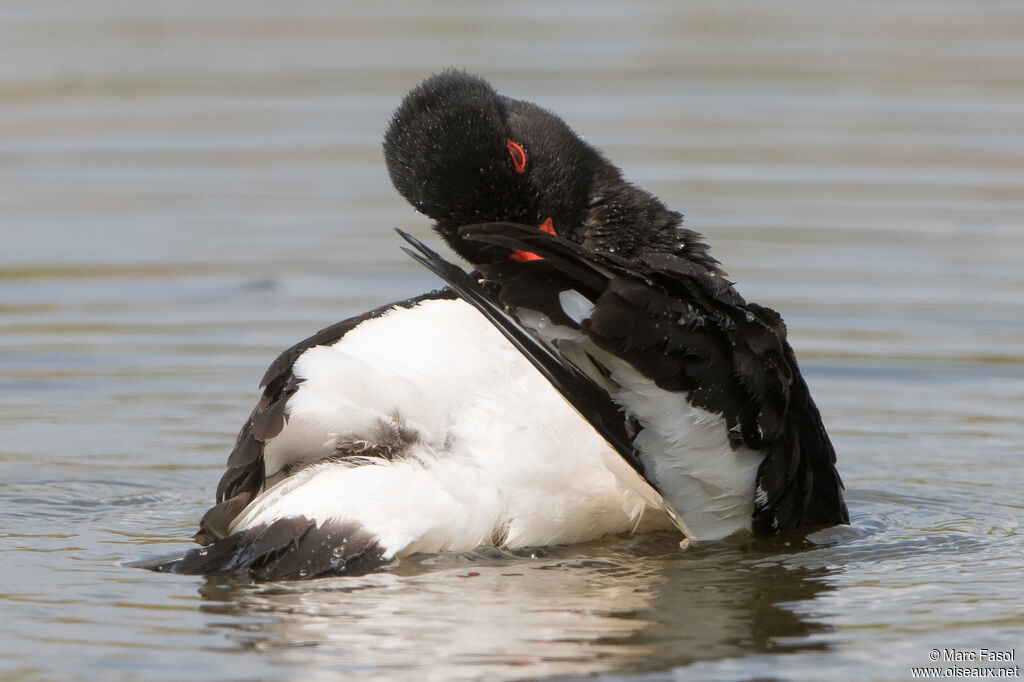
column 523, row 256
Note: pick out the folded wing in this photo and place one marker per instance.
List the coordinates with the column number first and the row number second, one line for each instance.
column 577, row 314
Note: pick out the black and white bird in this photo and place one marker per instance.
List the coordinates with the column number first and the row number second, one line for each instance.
column 597, row 375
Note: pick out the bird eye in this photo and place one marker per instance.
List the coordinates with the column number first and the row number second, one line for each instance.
column 518, row 157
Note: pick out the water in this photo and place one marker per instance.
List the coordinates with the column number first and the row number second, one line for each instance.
column 186, row 189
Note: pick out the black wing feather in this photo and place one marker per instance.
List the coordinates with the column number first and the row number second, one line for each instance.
column 683, row 324
column 580, row 391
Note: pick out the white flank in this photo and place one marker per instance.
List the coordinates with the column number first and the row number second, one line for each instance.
column 501, row 457
column 707, row 487
column 686, row 453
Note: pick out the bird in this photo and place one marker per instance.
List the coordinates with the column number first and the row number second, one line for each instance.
column 595, row 374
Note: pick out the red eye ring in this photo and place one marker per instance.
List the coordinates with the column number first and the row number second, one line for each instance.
column 518, row 157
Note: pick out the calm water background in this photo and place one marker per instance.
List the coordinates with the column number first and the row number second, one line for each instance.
column 186, row 188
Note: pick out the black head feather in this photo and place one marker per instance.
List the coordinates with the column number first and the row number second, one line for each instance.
column 449, row 151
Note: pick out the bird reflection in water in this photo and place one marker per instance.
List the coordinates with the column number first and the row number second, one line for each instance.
column 619, row 605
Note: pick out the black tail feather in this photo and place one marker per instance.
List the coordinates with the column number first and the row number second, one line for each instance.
column 287, row 549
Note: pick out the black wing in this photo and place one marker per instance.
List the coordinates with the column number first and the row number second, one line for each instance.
column 681, row 323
